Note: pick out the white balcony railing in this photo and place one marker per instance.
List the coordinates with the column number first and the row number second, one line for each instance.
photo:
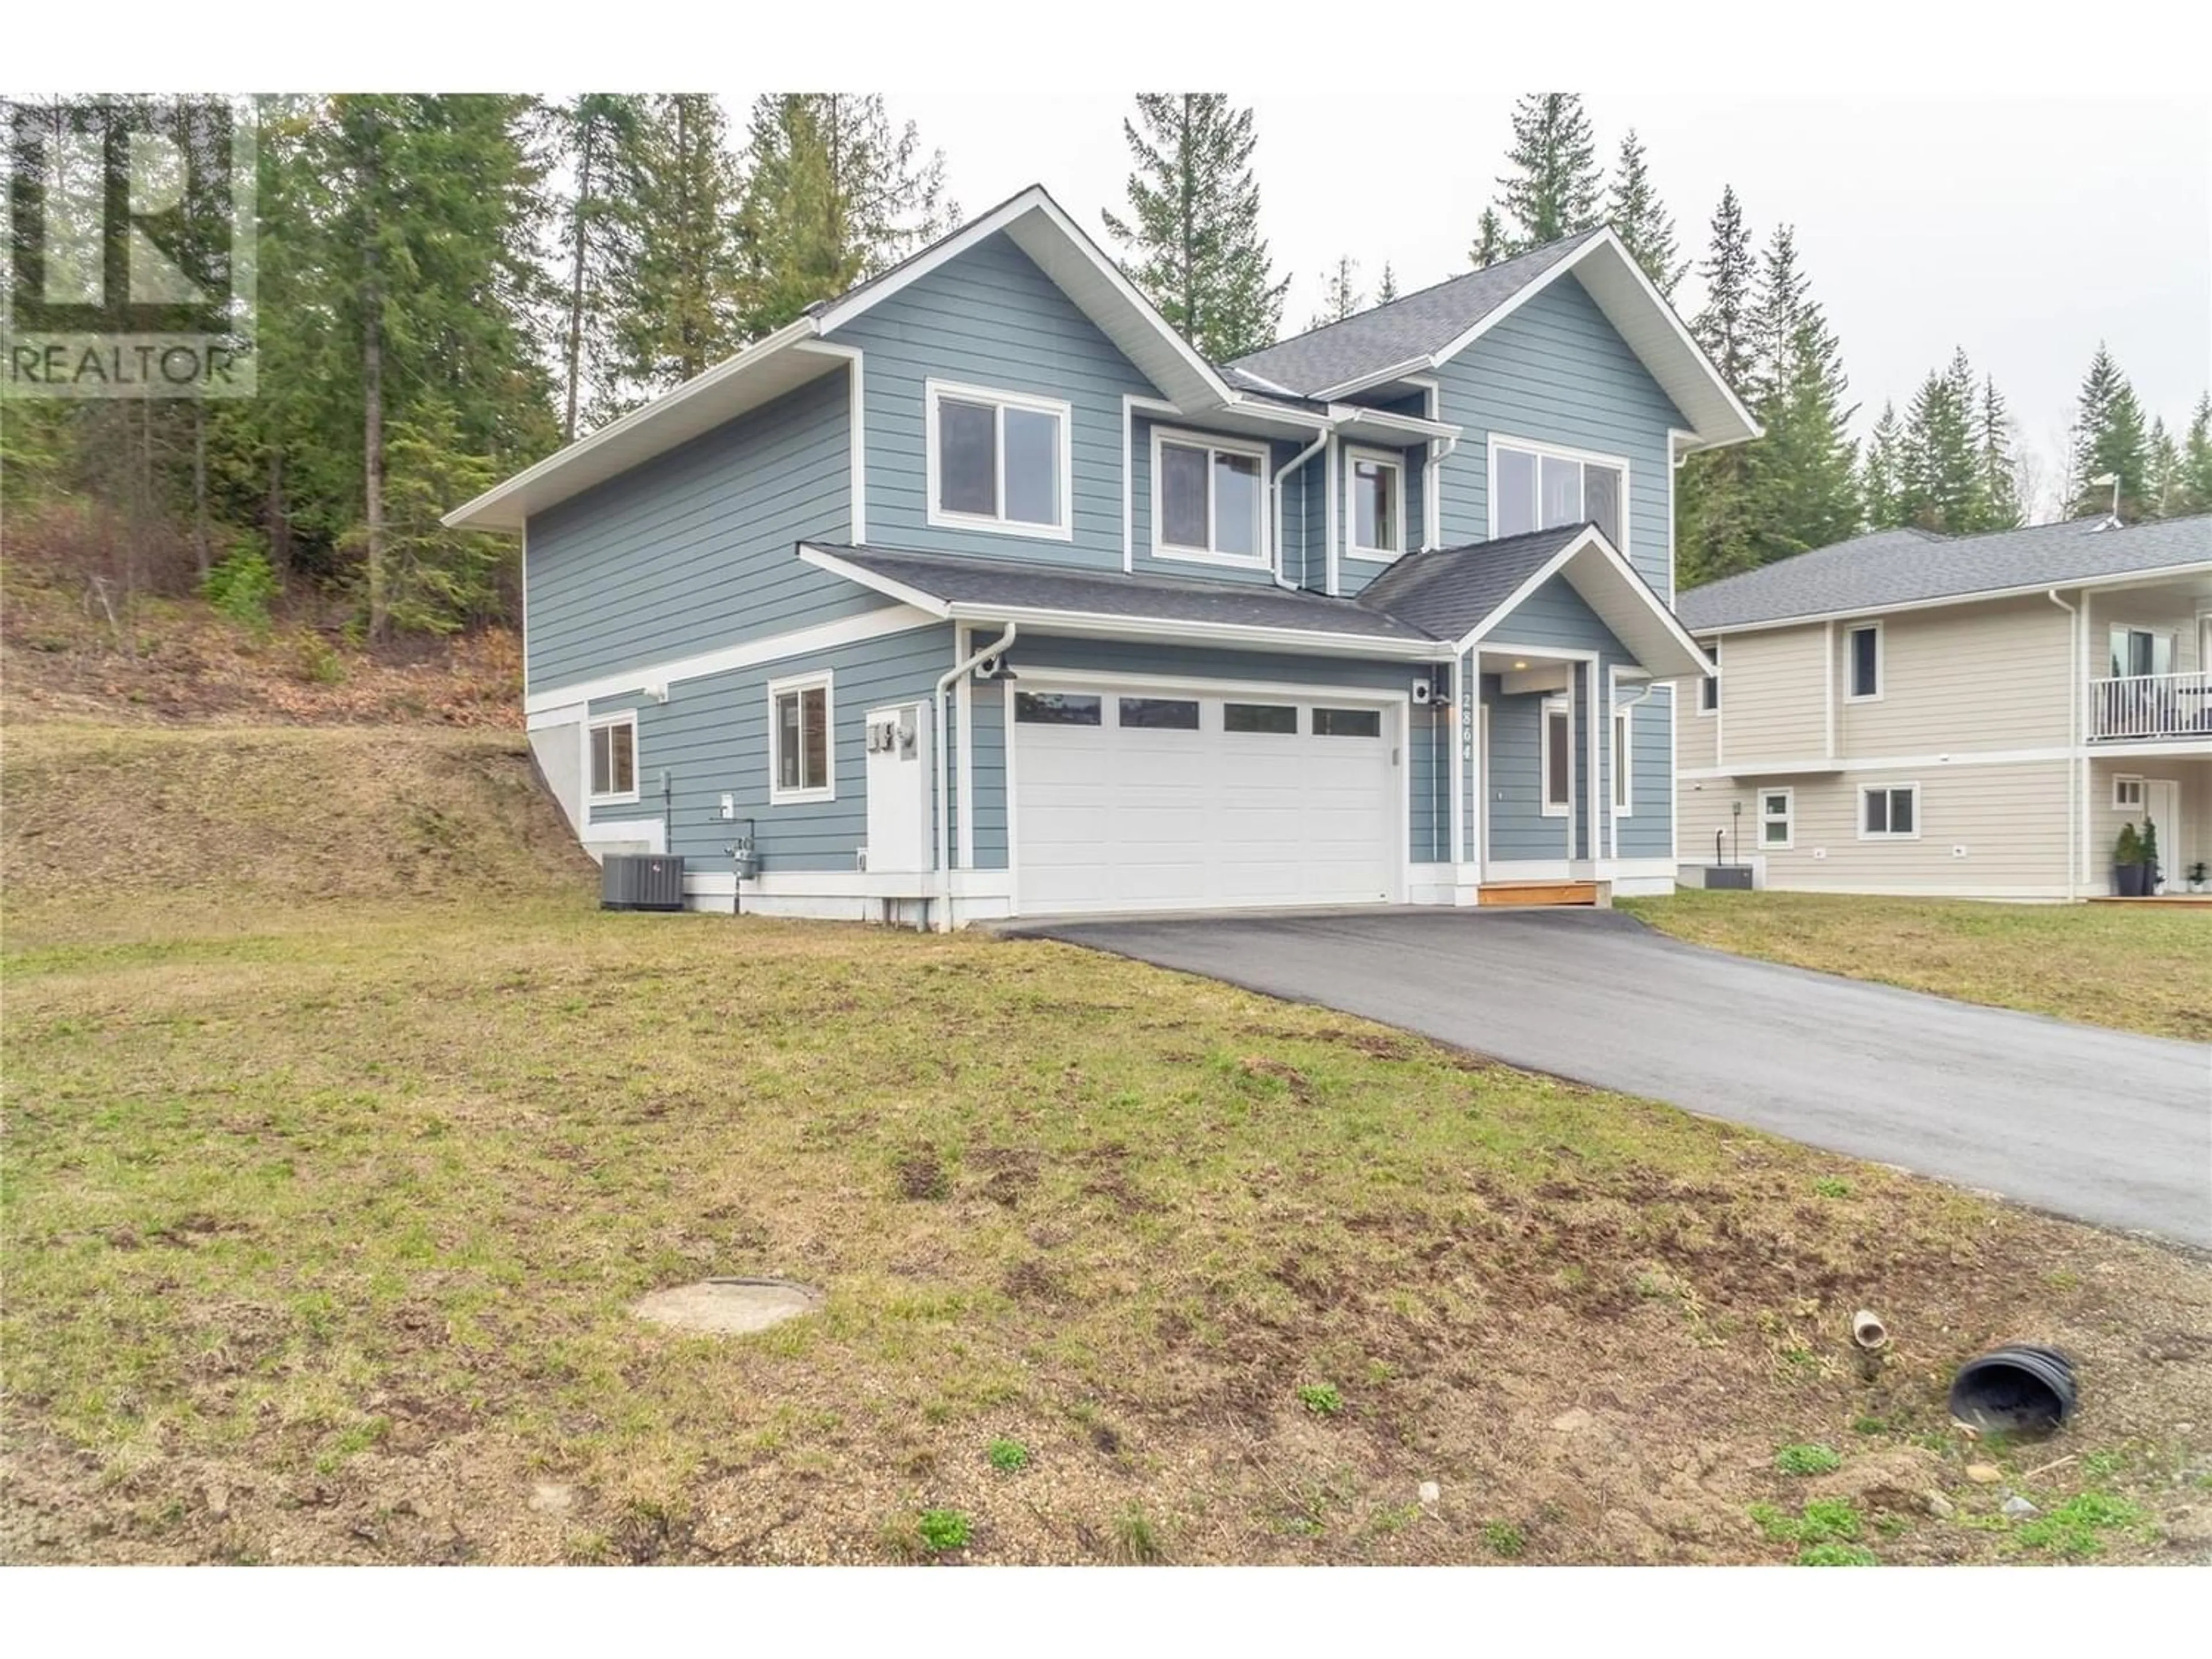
column 2151, row 706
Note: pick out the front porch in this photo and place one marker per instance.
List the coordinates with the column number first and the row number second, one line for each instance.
column 2170, row 792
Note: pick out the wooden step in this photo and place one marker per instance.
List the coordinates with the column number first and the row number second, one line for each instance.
column 1537, row 892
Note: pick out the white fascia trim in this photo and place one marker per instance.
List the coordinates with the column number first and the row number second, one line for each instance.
column 1348, row 417
column 934, row 391
column 1032, row 200
column 1591, row 536
column 1379, row 377
column 1262, row 381
column 1252, row 449
column 1095, row 625
column 858, row 420
column 1303, row 419
column 1606, row 239
column 1047, row 677
column 2126, row 579
column 552, row 715
column 1395, row 461
column 822, row 559
column 824, row 681
column 803, row 329
column 1802, row 768
column 771, row 647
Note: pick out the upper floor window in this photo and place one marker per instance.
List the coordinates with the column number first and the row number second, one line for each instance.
column 1378, row 506
column 1709, row 688
column 2140, row 651
column 1863, row 655
column 613, row 740
column 1533, row 487
column 801, row 754
column 1209, row 499
column 997, row 461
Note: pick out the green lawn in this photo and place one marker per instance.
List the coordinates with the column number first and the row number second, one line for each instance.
column 2133, row 967
column 324, row 1220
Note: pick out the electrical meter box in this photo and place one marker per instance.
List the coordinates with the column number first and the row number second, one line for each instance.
column 901, row 766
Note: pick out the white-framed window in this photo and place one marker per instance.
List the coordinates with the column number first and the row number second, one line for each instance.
column 1889, row 811
column 2141, row 651
column 1536, row 486
column 1209, row 499
column 2127, row 793
column 610, row 758
column 1557, row 758
column 1709, row 688
column 999, row 461
column 1624, row 763
column 802, row 745
column 1862, row 662
column 1778, row 820
column 1375, row 503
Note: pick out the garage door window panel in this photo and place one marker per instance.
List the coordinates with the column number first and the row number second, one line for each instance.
column 1265, row 718
column 1347, row 722
column 1057, row 709
column 1159, row 713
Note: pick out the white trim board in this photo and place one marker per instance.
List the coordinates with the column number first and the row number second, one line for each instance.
column 770, row 648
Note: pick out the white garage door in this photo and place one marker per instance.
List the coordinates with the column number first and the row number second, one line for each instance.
column 1186, row 799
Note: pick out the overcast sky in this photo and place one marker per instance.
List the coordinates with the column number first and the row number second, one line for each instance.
column 2025, row 232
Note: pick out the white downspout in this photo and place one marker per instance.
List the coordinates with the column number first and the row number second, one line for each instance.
column 945, row 683
column 2074, row 695
column 1275, row 499
column 1432, row 491
column 1612, row 819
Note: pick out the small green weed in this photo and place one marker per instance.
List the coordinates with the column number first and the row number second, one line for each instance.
column 2072, row 1529
column 1830, row 1520
column 241, row 587
column 1807, row 1460
column 2103, row 1465
column 1505, row 1540
column 1870, row 1426
column 943, row 1529
column 1835, row 1555
column 1008, row 1456
column 1321, row 1399
column 1136, row 1539
column 1831, row 1187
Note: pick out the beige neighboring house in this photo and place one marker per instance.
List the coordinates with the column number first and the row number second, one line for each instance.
column 1973, row 715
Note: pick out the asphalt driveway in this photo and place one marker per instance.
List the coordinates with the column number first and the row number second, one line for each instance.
column 2104, row 1125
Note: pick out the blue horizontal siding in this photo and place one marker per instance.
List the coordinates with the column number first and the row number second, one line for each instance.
column 711, row 738
column 696, row 548
column 1556, row 371
column 991, row 318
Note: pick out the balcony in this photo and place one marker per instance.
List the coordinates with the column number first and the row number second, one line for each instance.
column 2140, row 708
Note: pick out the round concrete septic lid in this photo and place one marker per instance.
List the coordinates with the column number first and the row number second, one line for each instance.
column 728, row 1307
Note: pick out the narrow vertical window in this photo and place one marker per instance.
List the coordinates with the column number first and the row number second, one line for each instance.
column 1559, row 759
column 1865, row 645
column 614, row 758
column 802, row 752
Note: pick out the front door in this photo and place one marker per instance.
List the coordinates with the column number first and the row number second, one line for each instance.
column 2162, row 806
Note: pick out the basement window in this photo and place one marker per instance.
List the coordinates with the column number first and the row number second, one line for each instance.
column 1777, row 819
column 613, row 751
column 1890, row 813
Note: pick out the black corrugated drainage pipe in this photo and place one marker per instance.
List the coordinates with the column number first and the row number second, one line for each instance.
column 2021, row 1388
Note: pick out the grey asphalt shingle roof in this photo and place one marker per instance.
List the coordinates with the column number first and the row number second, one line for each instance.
column 960, row 579
column 1906, row 567
column 1447, row 593
column 1413, row 326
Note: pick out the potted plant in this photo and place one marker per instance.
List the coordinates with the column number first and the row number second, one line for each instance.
column 2197, row 877
column 2150, row 873
column 2127, row 863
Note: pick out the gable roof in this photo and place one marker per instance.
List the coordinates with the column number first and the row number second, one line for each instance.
column 798, row 353
column 1414, row 334
column 1892, row 569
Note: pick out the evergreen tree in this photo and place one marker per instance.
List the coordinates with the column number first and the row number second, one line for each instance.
column 676, row 303
column 2196, row 492
column 1191, row 240
column 1556, row 183
column 1387, row 290
column 1340, row 294
column 2108, row 438
column 1942, row 471
column 1640, row 219
column 596, row 133
column 2162, row 479
column 2000, row 505
column 1799, row 478
column 1713, row 523
column 834, row 194
column 1881, row 492
column 1489, row 246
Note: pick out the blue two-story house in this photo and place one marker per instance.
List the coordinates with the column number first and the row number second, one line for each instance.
column 976, row 593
